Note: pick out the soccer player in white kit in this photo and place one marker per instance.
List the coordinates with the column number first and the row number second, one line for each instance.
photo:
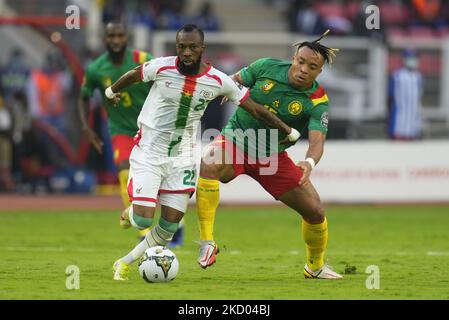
column 162, row 160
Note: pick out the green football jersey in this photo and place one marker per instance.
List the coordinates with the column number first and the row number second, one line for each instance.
column 101, row 73
column 268, row 82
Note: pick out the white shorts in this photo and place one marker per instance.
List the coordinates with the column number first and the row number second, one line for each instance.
column 151, row 175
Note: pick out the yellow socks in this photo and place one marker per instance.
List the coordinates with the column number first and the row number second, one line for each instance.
column 123, row 179
column 207, row 199
column 315, row 236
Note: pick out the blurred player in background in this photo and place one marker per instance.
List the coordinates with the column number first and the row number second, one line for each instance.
column 289, row 90
column 405, row 99
column 122, row 118
column 162, row 161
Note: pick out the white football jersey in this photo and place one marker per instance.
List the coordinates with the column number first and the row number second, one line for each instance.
column 175, row 104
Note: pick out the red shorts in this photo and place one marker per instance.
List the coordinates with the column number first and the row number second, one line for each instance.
column 122, row 146
column 277, row 174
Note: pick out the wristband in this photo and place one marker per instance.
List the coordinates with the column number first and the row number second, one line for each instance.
column 311, row 161
column 109, row 93
column 294, row 135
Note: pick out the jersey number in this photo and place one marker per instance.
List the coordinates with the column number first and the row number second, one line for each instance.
column 189, row 178
column 126, row 98
column 200, row 106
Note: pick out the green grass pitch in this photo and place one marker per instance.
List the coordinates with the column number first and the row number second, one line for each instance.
column 262, row 255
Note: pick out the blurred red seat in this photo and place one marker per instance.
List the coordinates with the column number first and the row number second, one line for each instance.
column 394, row 61
column 393, row 13
column 331, row 9
column 421, row 32
column 430, row 64
column 396, row 32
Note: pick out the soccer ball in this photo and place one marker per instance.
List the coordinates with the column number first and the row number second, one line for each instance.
column 158, row 264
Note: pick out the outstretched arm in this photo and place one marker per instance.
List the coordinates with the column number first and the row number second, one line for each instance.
column 259, row 112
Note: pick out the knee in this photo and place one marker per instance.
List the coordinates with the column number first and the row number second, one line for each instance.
column 316, row 214
column 143, row 211
column 211, row 170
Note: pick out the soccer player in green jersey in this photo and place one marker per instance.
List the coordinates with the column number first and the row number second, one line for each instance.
column 122, row 118
column 290, row 90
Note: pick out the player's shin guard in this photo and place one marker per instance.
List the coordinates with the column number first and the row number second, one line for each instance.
column 207, row 200
column 161, row 234
column 123, row 179
column 315, row 236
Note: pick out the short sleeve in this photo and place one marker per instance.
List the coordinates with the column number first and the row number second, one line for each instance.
column 319, row 118
column 149, row 69
column 88, row 85
column 250, row 73
column 234, row 91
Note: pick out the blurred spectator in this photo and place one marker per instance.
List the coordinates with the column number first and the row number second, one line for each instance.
column 207, row 19
column 304, row 19
column 428, row 13
column 145, row 14
column 172, row 17
column 405, row 99
column 6, row 125
column 14, row 75
column 47, row 91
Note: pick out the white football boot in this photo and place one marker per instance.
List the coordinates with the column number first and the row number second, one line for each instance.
column 325, row 272
column 208, row 250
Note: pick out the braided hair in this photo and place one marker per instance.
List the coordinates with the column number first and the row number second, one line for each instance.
column 326, row 52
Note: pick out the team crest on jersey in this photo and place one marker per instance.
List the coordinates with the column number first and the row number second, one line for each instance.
column 107, row 82
column 267, row 86
column 207, row 94
column 276, row 103
column 295, row 107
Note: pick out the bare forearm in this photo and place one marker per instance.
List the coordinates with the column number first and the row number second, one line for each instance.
column 261, row 113
column 126, row 80
column 83, row 110
column 316, row 146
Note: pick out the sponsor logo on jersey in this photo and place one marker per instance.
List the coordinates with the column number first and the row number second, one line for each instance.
column 325, row 119
column 168, row 84
column 276, row 103
column 295, row 107
column 207, row 94
column 267, row 86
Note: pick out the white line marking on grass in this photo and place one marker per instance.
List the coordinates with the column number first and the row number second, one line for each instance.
column 437, row 253
column 234, row 252
column 294, row 252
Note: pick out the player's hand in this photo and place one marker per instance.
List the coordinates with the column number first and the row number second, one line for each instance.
column 115, row 99
column 93, row 139
column 306, row 169
column 291, row 138
column 224, row 100
column 112, row 97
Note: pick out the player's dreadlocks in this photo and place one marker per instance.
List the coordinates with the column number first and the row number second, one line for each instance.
column 327, row 52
